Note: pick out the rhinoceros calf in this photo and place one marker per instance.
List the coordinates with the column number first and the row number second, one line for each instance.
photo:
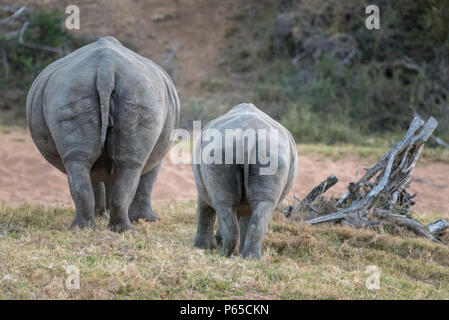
column 256, row 172
column 105, row 114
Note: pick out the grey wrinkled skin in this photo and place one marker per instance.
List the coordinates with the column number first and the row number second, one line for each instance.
column 104, row 115
column 241, row 198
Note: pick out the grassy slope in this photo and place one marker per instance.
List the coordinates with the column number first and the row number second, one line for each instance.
column 370, row 152
column 159, row 261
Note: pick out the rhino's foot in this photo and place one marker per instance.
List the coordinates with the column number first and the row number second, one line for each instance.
column 146, row 215
column 121, row 226
column 252, row 254
column 205, row 242
column 82, row 223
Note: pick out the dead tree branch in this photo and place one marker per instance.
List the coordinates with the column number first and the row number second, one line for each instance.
column 21, row 12
column 438, row 226
column 312, row 196
column 380, row 195
column 35, row 46
column 321, row 188
column 406, row 222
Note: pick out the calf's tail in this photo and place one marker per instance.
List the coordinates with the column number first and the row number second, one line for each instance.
column 251, row 158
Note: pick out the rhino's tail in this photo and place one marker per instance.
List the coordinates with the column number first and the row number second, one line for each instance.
column 245, row 179
column 105, row 88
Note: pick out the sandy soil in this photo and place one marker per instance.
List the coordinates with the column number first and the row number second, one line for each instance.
column 25, row 176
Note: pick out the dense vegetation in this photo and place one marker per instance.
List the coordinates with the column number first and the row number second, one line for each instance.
column 311, row 64
column 20, row 64
column 317, row 68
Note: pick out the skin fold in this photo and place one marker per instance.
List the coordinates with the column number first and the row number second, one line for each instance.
column 104, row 115
column 237, row 193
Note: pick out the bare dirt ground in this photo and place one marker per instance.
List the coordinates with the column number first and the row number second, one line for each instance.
column 152, row 28
column 25, row 176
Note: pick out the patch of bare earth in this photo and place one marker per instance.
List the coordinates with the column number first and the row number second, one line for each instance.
column 25, row 176
column 153, row 27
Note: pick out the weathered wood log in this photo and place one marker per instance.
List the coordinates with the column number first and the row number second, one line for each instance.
column 321, row 188
column 438, row 227
column 408, row 223
column 382, row 190
column 312, row 196
column 417, row 134
column 21, row 12
column 333, row 217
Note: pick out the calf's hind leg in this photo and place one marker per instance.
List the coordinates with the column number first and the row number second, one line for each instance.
column 229, row 229
column 141, row 205
column 243, row 226
column 257, row 228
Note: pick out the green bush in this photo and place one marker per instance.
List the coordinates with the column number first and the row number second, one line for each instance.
column 24, row 64
column 395, row 72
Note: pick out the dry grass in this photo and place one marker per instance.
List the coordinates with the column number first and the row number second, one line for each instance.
column 159, row 261
column 372, row 152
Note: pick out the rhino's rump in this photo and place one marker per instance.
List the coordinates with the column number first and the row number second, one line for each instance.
column 236, row 182
column 64, row 114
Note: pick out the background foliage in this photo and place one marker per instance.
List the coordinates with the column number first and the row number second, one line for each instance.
column 311, row 64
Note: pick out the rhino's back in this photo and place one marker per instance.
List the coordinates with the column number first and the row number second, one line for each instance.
column 247, row 116
column 74, row 75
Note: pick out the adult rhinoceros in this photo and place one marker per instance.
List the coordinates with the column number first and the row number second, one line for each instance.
column 242, row 173
column 104, row 115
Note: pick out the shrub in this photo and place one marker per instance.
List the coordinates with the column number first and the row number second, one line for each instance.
column 317, row 69
column 24, row 64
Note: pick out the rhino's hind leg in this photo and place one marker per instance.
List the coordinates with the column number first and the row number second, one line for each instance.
column 122, row 190
column 229, row 229
column 257, row 228
column 243, row 225
column 205, row 226
column 100, row 198
column 141, row 205
column 78, row 175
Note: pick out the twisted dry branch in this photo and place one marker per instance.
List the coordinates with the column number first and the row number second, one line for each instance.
column 381, row 193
